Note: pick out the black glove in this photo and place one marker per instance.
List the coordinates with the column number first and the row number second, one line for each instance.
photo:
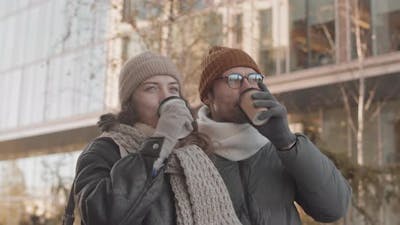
column 276, row 129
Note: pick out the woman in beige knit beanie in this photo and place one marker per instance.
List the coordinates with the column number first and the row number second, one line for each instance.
column 149, row 166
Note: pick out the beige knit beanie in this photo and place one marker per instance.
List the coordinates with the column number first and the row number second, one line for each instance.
column 139, row 68
column 218, row 60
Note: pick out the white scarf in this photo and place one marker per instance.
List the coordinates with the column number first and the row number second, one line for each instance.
column 232, row 141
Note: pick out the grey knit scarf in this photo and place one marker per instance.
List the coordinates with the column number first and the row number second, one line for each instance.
column 201, row 197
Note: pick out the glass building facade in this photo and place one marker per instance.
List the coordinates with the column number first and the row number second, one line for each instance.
column 290, row 38
column 314, row 28
column 54, row 66
column 312, row 33
column 379, row 26
column 53, row 60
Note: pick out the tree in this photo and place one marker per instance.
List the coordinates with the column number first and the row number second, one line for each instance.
column 183, row 30
column 60, row 187
column 375, row 185
column 13, row 193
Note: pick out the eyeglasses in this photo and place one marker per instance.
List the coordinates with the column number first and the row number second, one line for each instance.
column 235, row 80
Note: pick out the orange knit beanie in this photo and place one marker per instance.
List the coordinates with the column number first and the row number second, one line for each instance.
column 218, row 60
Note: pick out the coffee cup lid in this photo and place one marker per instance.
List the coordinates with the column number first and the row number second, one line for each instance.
column 167, row 100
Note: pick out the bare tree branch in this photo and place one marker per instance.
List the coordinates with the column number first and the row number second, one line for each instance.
column 371, row 97
column 348, row 109
column 383, row 103
column 368, row 218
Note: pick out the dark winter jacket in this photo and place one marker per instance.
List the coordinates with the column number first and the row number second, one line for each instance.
column 114, row 191
column 263, row 188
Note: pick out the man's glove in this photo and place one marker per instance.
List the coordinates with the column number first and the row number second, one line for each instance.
column 175, row 122
column 276, row 129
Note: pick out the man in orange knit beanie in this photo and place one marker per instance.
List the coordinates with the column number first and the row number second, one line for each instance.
column 266, row 167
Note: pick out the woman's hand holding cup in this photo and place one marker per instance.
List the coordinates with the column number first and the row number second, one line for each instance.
column 175, row 122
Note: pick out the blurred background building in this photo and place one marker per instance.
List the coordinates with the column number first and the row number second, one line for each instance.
column 335, row 65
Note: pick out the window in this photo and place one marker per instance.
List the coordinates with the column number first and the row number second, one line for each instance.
column 191, row 5
column 213, row 25
column 397, row 140
column 379, row 25
column 386, row 26
column 266, row 52
column 364, row 24
column 238, row 29
column 141, row 9
column 312, row 30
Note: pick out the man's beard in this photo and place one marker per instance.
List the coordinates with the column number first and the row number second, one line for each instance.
column 239, row 116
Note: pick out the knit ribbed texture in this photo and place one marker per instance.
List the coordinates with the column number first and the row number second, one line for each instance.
column 200, row 194
column 122, row 136
column 217, row 61
column 139, row 68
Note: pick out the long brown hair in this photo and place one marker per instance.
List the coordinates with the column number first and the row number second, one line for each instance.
column 128, row 116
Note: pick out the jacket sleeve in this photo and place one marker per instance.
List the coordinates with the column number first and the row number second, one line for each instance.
column 321, row 190
column 111, row 190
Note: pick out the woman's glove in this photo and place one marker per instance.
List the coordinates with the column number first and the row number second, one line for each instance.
column 175, row 122
column 276, row 129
